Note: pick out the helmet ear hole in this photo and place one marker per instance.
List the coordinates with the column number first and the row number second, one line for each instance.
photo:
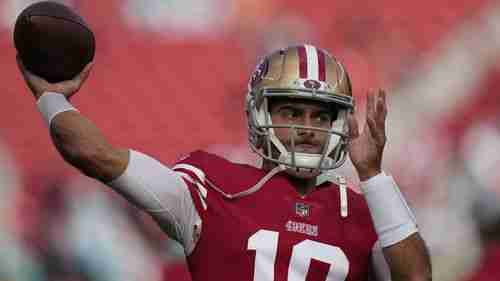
column 259, row 144
column 334, row 112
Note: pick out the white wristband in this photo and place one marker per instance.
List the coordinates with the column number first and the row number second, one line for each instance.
column 50, row 104
column 391, row 215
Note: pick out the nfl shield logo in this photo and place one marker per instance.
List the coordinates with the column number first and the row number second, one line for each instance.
column 302, row 209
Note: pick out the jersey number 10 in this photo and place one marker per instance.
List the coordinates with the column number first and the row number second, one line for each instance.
column 265, row 244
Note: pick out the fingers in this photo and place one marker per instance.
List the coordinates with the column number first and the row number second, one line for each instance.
column 79, row 79
column 25, row 72
column 376, row 103
column 381, row 105
column 20, row 65
column 82, row 76
column 370, row 109
column 376, row 112
column 352, row 123
column 381, row 109
column 370, row 125
column 34, row 82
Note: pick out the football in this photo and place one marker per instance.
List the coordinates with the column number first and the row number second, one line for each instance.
column 53, row 41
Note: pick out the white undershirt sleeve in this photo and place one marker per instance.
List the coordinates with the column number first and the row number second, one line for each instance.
column 160, row 191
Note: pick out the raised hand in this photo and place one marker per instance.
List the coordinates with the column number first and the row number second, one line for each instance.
column 367, row 147
column 38, row 85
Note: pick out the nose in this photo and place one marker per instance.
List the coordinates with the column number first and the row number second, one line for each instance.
column 306, row 121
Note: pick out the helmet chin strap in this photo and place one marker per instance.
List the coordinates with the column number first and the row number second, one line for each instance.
column 306, row 161
column 251, row 189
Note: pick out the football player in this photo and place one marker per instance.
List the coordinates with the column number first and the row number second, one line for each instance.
column 291, row 219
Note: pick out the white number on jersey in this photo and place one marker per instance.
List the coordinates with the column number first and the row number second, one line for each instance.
column 265, row 244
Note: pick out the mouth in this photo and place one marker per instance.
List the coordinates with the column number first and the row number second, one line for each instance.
column 308, row 148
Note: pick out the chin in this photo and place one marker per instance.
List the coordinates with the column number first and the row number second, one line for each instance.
column 303, row 173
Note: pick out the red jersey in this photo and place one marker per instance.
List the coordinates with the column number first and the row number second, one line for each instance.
column 274, row 233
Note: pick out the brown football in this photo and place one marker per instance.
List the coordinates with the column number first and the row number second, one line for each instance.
column 53, row 41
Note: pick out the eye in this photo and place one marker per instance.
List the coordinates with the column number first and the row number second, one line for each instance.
column 324, row 118
column 289, row 113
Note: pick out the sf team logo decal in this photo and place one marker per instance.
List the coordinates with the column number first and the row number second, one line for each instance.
column 312, row 84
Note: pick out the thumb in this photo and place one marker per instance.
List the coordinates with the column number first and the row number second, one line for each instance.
column 25, row 72
column 73, row 85
column 84, row 74
column 36, row 84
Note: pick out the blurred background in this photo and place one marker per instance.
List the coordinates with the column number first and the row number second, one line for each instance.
column 170, row 77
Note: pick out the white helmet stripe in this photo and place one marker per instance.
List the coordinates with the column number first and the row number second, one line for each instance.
column 312, row 62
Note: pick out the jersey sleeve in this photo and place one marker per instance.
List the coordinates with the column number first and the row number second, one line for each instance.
column 160, row 191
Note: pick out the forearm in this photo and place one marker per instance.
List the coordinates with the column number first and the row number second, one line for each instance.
column 76, row 138
column 409, row 260
column 82, row 145
column 396, row 227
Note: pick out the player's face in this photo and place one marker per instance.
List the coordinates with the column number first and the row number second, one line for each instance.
column 303, row 113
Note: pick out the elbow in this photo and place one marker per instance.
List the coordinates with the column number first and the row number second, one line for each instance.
column 84, row 147
column 425, row 276
column 90, row 162
column 421, row 275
